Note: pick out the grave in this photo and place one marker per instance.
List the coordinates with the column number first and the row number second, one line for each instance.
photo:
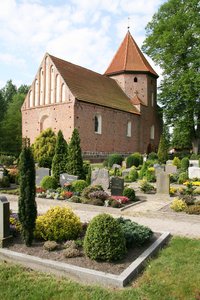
column 194, row 163
column 117, row 186
column 194, row 172
column 67, row 178
column 126, row 172
column 100, row 177
column 1, row 175
column 169, row 162
column 158, row 168
column 5, row 237
column 116, row 166
column 40, row 174
column 171, row 169
column 162, row 183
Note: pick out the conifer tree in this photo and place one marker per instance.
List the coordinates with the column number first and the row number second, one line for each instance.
column 75, row 161
column 59, row 163
column 163, row 148
column 27, row 205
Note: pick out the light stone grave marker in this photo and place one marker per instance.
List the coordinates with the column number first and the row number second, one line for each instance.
column 100, row 176
column 158, row 168
column 40, row 174
column 126, row 172
column 194, row 163
column 1, row 174
column 170, row 169
column 162, row 183
column 67, row 178
column 194, row 172
column 5, row 236
column 116, row 166
column 169, row 162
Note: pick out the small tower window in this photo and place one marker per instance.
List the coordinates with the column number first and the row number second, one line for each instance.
column 135, row 79
column 152, row 132
column 152, row 99
column 98, row 124
column 128, row 132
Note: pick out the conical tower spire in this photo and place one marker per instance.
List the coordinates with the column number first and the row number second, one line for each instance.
column 129, row 58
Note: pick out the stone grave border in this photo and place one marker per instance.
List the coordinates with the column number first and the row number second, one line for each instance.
column 85, row 275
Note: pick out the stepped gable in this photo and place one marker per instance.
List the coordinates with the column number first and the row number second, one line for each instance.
column 129, row 58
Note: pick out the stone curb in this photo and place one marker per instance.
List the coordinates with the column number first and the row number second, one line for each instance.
column 85, row 275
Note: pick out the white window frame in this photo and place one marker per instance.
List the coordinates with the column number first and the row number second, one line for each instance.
column 128, row 129
column 98, row 125
column 152, row 132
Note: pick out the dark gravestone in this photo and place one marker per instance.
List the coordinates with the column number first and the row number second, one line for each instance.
column 117, row 186
column 5, row 236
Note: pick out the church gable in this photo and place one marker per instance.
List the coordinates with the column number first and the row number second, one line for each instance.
column 48, row 87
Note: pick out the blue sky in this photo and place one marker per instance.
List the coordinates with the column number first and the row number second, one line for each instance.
column 84, row 32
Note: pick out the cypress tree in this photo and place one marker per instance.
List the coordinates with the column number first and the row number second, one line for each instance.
column 27, row 205
column 75, row 160
column 163, row 149
column 59, row 163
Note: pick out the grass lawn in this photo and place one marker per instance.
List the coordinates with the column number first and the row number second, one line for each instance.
column 174, row 274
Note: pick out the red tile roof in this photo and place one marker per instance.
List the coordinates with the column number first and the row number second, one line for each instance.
column 129, row 58
column 136, row 100
column 92, row 87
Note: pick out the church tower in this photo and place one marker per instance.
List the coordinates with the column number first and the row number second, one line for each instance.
column 133, row 73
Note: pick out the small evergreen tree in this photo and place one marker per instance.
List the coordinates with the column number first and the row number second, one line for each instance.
column 163, row 146
column 75, row 161
column 27, row 205
column 59, row 163
column 44, row 148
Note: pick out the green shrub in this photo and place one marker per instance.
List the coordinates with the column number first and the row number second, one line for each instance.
column 153, row 156
column 185, row 163
column 176, row 162
column 114, row 203
column 49, row 182
column 79, row 185
column 134, row 233
column 58, row 224
column 194, row 156
column 87, row 170
column 114, row 159
column 146, row 187
column 134, row 159
column 75, row 199
column 104, row 239
column 142, row 172
column 133, row 174
column 150, row 174
column 130, row 193
column 7, row 160
column 5, row 182
column 183, row 176
column 89, row 189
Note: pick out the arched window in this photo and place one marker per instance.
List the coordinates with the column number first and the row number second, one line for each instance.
column 152, row 99
column 52, row 84
column 30, row 99
column 41, row 83
column 47, row 87
column 128, row 132
column 37, row 101
column 135, row 79
column 152, row 132
column 63, row 92
column 57, row 89
column 98, row 124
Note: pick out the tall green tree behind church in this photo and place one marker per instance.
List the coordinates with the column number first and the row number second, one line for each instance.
column 173, row 42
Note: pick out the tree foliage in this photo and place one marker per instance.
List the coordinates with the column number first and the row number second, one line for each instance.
column 59, row 163
column 163, row 146
column 75, row 160
column 27, row 204
column 173, row 42
column 44, row 148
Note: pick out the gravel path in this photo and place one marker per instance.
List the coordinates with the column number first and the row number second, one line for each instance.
column 146, row 213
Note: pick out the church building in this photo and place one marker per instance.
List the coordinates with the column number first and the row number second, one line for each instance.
column 116, row 112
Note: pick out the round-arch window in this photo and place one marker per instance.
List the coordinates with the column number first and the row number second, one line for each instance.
column 135, row 79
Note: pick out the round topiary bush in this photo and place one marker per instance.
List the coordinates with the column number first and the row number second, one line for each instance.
column 114, row 159
column 176, row 162
column 104, row 239
column 153, row 156
column 58, row 224
column 49, row 182
column 79, row 185
column 130, row 193
column 134, row 159
column 182, row 177
column 133, row 174
column 185, row 163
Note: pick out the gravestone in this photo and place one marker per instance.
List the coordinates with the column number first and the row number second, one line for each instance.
column 100, row 176
column 116, row 166
column 194, row 172
column 162, row 183
column 5, row 236
column 67, row 178
column 126, row 172
column 1, row 174
column 117, row 186
column 124, row 164
column 170, row 169
column 169, row 162
column 40, row 174
column 158, row 168
column 194, row 163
